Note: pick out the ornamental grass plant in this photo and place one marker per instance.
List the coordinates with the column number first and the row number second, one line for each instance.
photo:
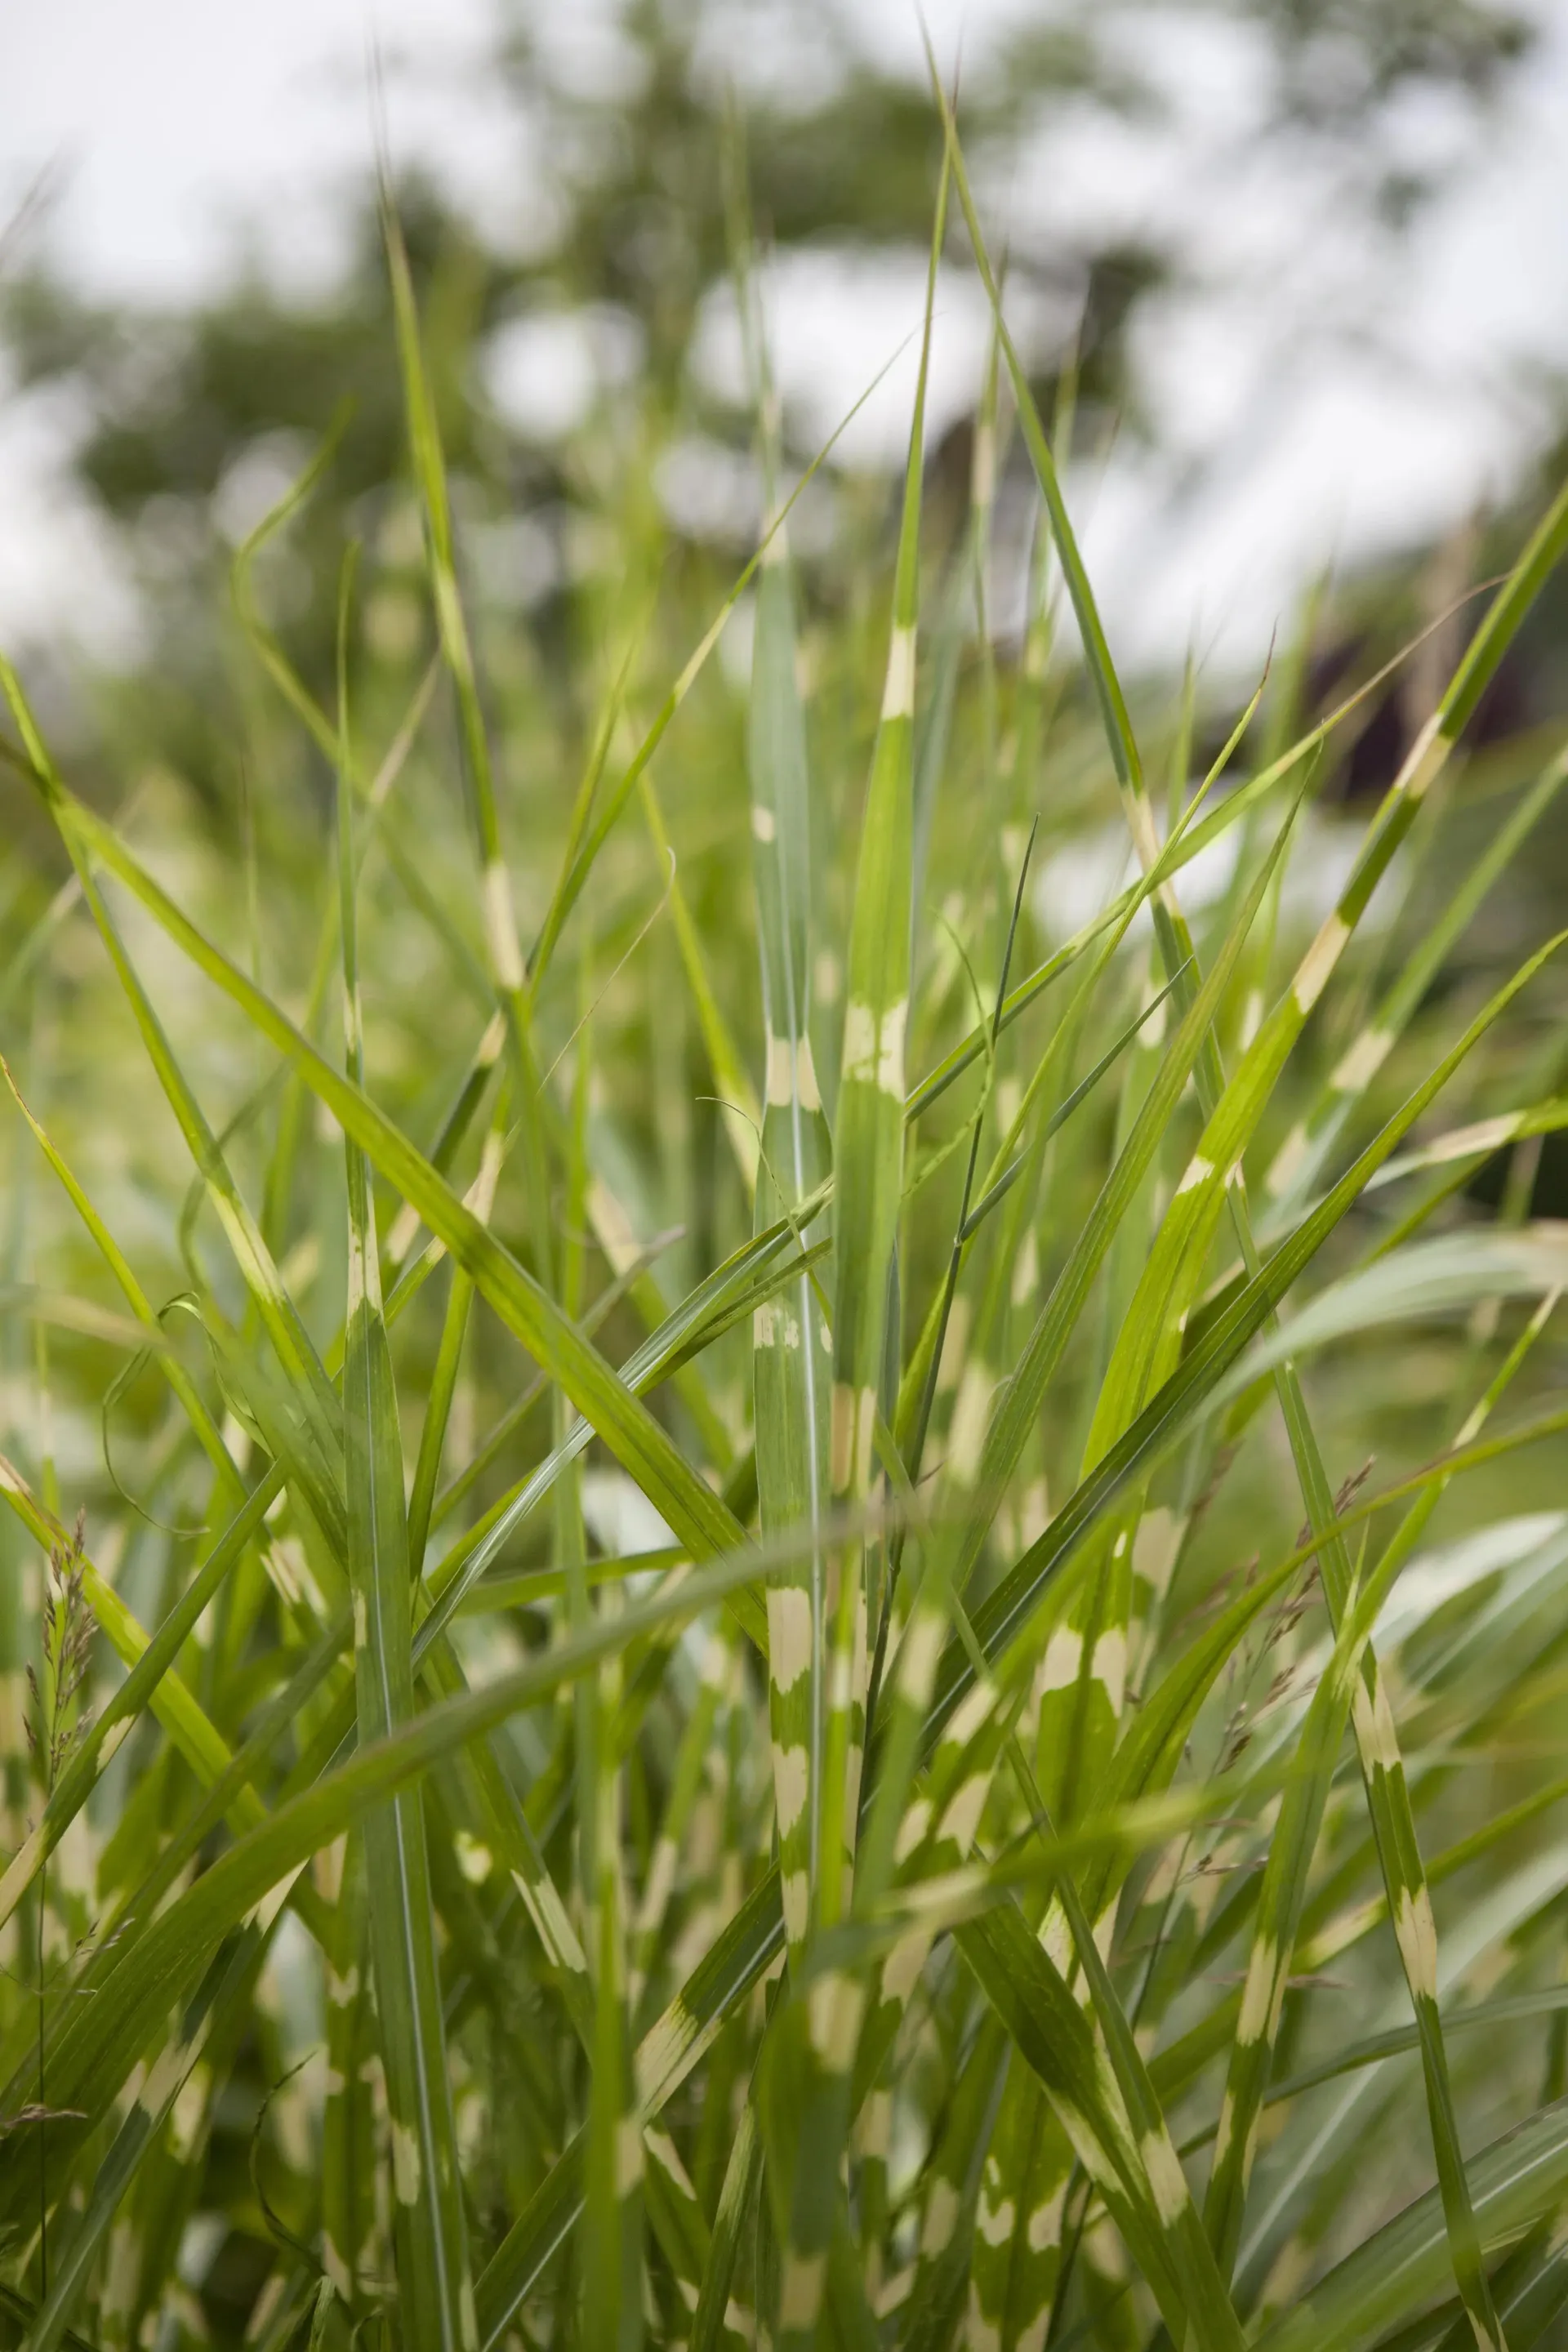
column 752, row 1598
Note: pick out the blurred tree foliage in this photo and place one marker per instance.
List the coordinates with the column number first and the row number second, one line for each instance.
column 189, row 416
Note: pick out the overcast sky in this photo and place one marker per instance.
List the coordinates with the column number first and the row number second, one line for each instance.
column 177, row 128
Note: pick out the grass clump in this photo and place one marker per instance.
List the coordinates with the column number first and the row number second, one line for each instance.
column 732, row 1672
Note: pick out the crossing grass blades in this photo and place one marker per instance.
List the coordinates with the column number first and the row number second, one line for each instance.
column 1021, row 1839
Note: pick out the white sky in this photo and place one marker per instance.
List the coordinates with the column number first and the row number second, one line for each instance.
column 178, row 127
